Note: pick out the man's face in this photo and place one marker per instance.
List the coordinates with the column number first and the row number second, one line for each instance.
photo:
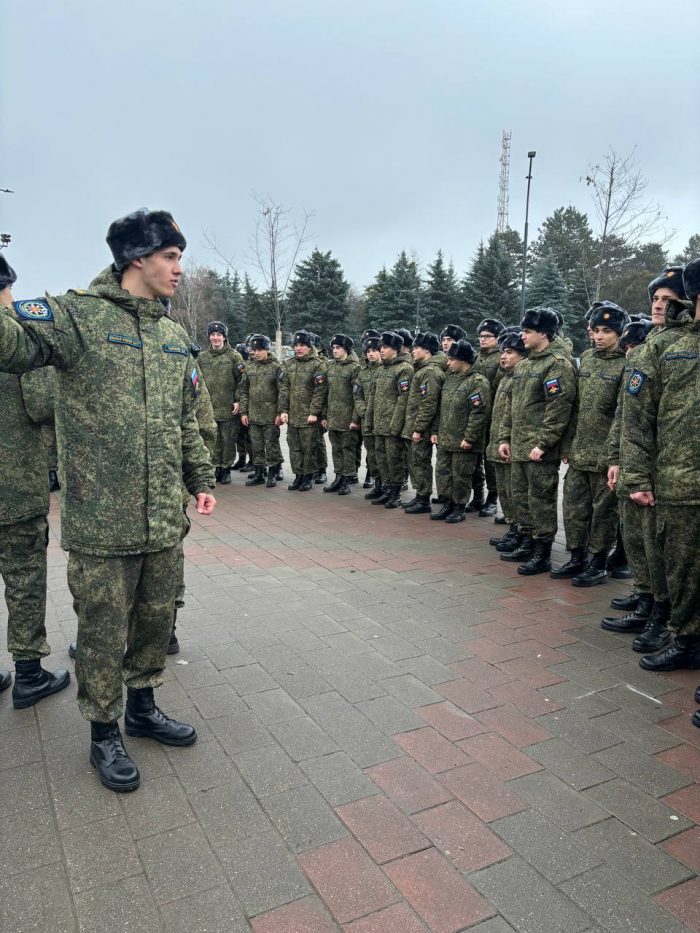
column 658, row 305
column 419, row 353
column 534, row 340
column 510, row 358
column 6, row 297
column 260, row 355
column 388, row 353
column 487, row 341
column 373, row 356
column 446, row 343
column 161, row 271
column 457, row 366
column 301, row 351
column 604, row 338
column 339, row 353
column 216, row 340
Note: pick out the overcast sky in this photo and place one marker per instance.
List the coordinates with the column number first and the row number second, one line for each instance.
column 383, row 117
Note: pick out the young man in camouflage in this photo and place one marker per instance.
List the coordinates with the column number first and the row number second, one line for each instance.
column 465, row 407
column 24, row 530
column 302, row 402
column 223, row 369
column 357, row 426
column 487, row 363
column 535, row 420
column 343, row 369
column 260, row 410
column 364, row 383
column 127, row 437
column 589, row 506
column 422, row 413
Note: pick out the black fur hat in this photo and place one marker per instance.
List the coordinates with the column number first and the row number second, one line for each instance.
column 691, row 279
column 303, row 337
column 391, row 339
column 243, row 350
column 217, row 327
column 454, row 331
column 512, row 341
column 406, row 336
column 371, row 343
column 542, row 320
column 560, row 318
column 142, row 233
column 427, row 341
column 635, row 318
column 462, row 350
column 671, row 278
column 608, row 314
column 635, row 333
column 260, row 342
column 316, row 340
column 491, row 326
column 8, row 276
column 370, row 333
column 342, row 340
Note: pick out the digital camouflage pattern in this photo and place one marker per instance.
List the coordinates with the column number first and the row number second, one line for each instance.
column 304, row 390
column 500, row 402
column 465, row 408
column 505, row 497
column 487, row 363
column 260, row 390
column 389, row 453
column 533, row 489
column 678, row 528
column 423, row 406
column 24, row 490
column 362, row 390
column 389, row 398
column 205, row 415
column 590, row 511
column 223, row 371
column 453, row 474
column 265, row 441
column 23, row 569
column 342, row 375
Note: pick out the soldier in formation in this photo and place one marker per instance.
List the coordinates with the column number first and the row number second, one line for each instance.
column 260, row 410
column 302, row 401
column 223, row 369
column 343, row 369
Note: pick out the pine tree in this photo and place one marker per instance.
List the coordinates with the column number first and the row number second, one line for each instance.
column 567, row 237
column 377, row 299
column 394, row 298
column 547, row 287
column 233, row 310
column 317, row 298
column 491, row 288
column 259, row 315
column 440, row 302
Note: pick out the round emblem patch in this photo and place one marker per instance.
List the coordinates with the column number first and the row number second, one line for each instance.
column 34, row 309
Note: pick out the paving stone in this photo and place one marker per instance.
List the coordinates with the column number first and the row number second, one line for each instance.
column 495, row 925
column 307, row 915
column 250, row 678
column 350, row 729
column 159, row 805
column 653, row 776
column 646, row 707
column 450, row 721
column 198, row 674
column 645, row 865
column 29, row 841
column 274, row 706
column 641, row 812
column 651, row 739
column 238, row 733
column 338, row 778
column 229, row 656
column 437, row 892
column 228, row 813
column 60, row 719
column 498, row 756
column 302, row 738
column 301, row 640
column 481, row 673
column 201, row 765
column 382, row 829
column 269, row 770
column 410, row 691
column 432, row 750
column 36, row 901
column 428, row 670
column 99, row 850
column 515, row 728
column 556, row 800
column 25, row 788
column 178, row 862
column 530, row 702
column 572, row 766
column 684, row 903
column 444, row 650
column 211, row 910
column 354, row 686
column 527, row 900
column 398, row 918
column 631, row 674
column 482, row 792
column 587, row 735
column 617, row 906
column 389, row 715
column 65, row 757
column 683, row 758
column 303, row 818
column 582, row 701
column 126, row 905
column 686, row 848
column 554, row 852
column 408, row 785
column 300, row 680
column 348, row 882
column 467, row 696
column 463, row 838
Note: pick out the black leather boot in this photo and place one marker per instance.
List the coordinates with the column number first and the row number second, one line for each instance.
column 617, row 561
column 73, row 650
column 476, row 503
column 634, row 621
column 33, row 683
column 296, row 482
column 405, row 505
column 320, row 477
column 271, row 477
column 306, row 482
column 683, row 653
column 279, row 474
column 225, row 476
column 344, row 488
column 419, row 507
column 488, row 509
column 575, row 564
column 383, row 495
column 503, row 539
column 240, row 463
column 595, row 573
column 377, row 491
column 539, row 562
column 352, row 479
column 499, row 520
column 217, row 474
column 258, row 477
column 107, row 754
column 54, row 484
column 394, row 499
column 695, row 718
column 656, row 634
column 522, row 552
column 245, row 465
column 625, row 603
column 442, row 514
column 456, row 515
column 507, row 547
column 173, row 643
column 5, row 680
column 439, row 500
column 335, row 485
column 369, row 482
column 143, row 718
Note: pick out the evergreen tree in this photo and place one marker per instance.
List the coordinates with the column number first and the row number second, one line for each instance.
column 394, row 298
column 440, row 303
column 566, row 236
column 259, row 315
column 491, row 288
column 629, row 286
column 317, row 298
column 546, row 286
column 233, row 309
column 691, row 251
column 377, row 300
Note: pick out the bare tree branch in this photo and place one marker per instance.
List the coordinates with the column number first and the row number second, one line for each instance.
column 211, row 244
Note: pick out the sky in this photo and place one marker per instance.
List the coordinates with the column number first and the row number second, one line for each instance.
column 382, row 118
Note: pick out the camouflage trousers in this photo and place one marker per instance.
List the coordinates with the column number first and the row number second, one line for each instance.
column 454, row 470
column 654, row 553
column 533, row 489
column 590, row 511
column 322, row 452
column 678, row 528
column 244, row 448
column 48, row 433
column 390, row 458
column 23, row 568
column 226, row 436
column 358, row 449
column 421, row 467
column 371, row 454
column 632, row 527
column 303, row 449
column 484, row 477
column 344, row 449
column 265, row 441
column 502, row 471
column 121, row 603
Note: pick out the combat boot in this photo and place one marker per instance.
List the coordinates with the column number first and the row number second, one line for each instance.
column 143, row 718
column 335, row 485
column 296, row 482
column 504, row 539
column 695, row 718
column 681, row 654
column 420, row 506
column 507, row 547
column 306, row 482
column 258, row 477
column 634, row 621
column 442, row 514
column 655, row 635
column 245, row 465
column 499, row 520
column 344, row 488
column 320, row 477
column 521, row 553
column 353, row 479
column 539, row 562
column 456, row 515
column 383, row 496
column 240, row 463
column 488, row 509
column 394, row 499
column 107, row 754
column 625, row 603
column 594, row 573
column 54, row 484
column 377, row 491
column 477, row 501
column 439, row 500
column 225, row 476
column 617, row 561
column 217, row 474
column 173, row 643
column 575, row 564
column 405, row 505
column 5, row 680
column 279, row 474
column 369, row 482
column 73, row 650
column 271, row 478
column 33, row 683
column 697, row 694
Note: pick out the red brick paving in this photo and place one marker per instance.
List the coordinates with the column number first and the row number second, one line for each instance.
column 515, row 728
column 686, row 801
column 450, row 721
column 549, row 633
column 409, row 785
column 431, row 750
column 382, row 829
column 465, row 695
column 685, row 758
column 489, row 650
column 462, row 837
column 499, row 756
column 683, row 728
column 684, row 902
column 686, row 848
column 308, row 915
column 530, row 672
column 396, row 919
column 528, row 701
column 481, row 672
column 482, row 792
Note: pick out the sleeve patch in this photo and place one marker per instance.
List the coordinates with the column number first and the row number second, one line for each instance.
column 356, row 389
column 240, row 368
column 34, row 309
column 404, row 385
column 194, row 379
column 280, row 375
column 175, row 348
column 635, row 382
column 320, row 379
column 552, row 387
column 476, row 401
column 125, row 340
column 423, row 390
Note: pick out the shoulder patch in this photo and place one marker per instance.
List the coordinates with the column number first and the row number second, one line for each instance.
column 320, row 379
column 125, row 340
column 176, row 348
column 194, row 379
column 34, row 309
column 423, row 389
column 476, row 401
column 635, row 382
column 240, row 367
column 552, row 387
column 404, row 385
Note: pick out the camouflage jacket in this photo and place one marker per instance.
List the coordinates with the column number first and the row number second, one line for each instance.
column 362, row 390
column 615, row 433
column 599, row 380
column 423, row 406
column 563, row 345
column 465, row 407
column 260, row 390
column 126, row 426
column 341, row 397
column 304, row 389
column 386, row 411
column 500, row 400
column 223, row 371
column 488, row 364
column 205, row 415
column 539, row 408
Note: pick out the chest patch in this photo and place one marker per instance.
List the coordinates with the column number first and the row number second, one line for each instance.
column 635, row 382
column 319, row 379
column 423, row 390
column 476, row 401
column 175, row 348
column 34, row 309
column 552, row 387
column 404, row 385
column 125, row 340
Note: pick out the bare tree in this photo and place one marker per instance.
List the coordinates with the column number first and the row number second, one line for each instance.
column 189, row 305
column 275, row 248
column 624, row 214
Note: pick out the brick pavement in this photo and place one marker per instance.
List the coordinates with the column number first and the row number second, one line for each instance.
column 396, row 733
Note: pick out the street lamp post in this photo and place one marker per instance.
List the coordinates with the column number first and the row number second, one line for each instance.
column 531, row 155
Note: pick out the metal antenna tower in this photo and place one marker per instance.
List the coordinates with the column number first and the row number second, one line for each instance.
column 502, row 218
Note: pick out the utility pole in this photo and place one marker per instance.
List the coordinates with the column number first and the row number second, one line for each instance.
column 531, row 155
column 503, row 179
